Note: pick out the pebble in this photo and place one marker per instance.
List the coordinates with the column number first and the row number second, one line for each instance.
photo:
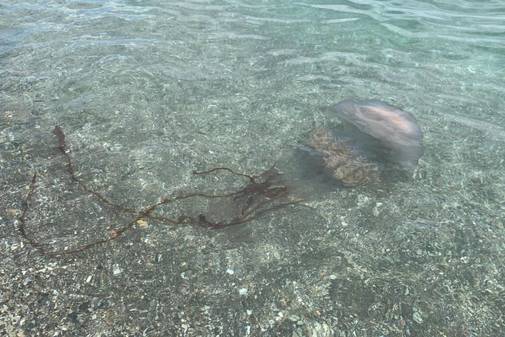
column 116, row 270
column 142, row 223
column 13, row 212
column 294, row 318
column 376, row 209
column 417, row 317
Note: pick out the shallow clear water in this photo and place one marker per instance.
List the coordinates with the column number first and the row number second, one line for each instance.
column 148, row 91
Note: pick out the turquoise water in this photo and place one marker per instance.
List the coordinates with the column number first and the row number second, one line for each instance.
column 148, row 91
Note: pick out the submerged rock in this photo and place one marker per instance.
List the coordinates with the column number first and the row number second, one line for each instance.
column 395, row 129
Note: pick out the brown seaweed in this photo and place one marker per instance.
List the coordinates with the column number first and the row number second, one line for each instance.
column 263, row 193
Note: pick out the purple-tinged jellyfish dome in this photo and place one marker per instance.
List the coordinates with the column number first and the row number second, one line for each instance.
column 395, row 129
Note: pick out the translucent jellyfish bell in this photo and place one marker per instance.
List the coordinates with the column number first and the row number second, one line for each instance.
column 395, row 129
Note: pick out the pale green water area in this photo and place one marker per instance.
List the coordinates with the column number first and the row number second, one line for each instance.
column 146, row 92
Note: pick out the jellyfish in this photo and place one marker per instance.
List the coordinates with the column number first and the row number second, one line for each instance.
column 342, row 159
column 396, row 130
column 375, row 143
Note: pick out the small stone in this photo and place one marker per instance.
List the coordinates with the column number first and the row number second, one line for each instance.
column 293, row 318
column 298, row 333
column 376, row 210
column 230, row 271
column 242, row 291
column 13, row 212
column 142, row 223
column 333, row 277
column 417, row 317
column 116, row 270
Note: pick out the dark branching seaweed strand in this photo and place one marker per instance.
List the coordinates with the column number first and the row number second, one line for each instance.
column 263, row 194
